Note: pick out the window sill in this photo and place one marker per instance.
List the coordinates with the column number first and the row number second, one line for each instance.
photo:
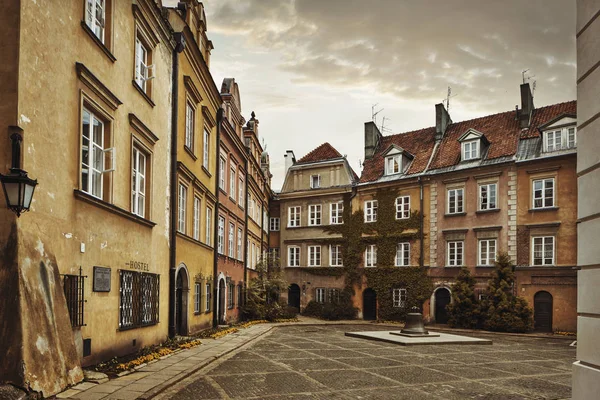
column 189, row 151
column 197, row 313
column 128, row 328
column 144, row 94
column 485, row 266
column 206, row 171
column 460, row 214
column 88, row 198
column 98, row 42
column 492, row 210
column 191, row 239
column 223, row 191
column 542, row 209
column 453, row 266
column 232, row 199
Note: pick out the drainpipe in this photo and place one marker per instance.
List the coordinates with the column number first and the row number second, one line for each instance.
column 179, row 46
column 246, row 226
column 216, row 221
column 421, row 257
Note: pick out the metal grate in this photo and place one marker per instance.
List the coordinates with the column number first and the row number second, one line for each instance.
column 139, row 299
column 73, row 286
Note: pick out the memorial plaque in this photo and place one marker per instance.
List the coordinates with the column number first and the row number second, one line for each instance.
column 101, row 279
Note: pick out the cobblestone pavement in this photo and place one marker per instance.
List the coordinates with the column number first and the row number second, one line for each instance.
column 319, row 362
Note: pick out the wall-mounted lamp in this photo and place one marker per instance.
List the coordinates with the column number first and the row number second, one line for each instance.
column 18, row 187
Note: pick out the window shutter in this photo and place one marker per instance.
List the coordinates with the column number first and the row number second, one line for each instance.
column 110, row 159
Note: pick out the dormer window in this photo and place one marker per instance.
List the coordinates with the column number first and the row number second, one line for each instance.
column 315, row 181
column 560, row 139
column 470, row 150
column 472, row 144
column 397, row 160
column 393, row 164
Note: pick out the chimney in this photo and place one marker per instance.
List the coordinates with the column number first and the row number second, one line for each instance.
column 442, row 120
column 290, row 159
column 526, row 106
column 372, row 139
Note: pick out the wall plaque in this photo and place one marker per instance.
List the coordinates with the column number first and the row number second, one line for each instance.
column 101, row 279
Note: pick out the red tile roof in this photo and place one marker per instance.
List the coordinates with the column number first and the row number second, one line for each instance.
column 321, row 153
column 501, row 130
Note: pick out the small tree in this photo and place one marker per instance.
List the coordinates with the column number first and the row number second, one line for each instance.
column 464, row 311
column 502, row 310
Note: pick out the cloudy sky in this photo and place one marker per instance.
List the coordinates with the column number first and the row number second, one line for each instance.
column 313, row 69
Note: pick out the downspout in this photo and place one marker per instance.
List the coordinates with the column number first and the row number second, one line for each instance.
column 216, row 222
column 179, row 47
column 422, row 221
column 246, row 227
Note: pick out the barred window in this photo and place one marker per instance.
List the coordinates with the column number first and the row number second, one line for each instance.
column 208, row 298
column 139, row 299
column 197, row 296
column 320, row 295
column 400, row 297
column 230, row 296
column 73, row 286
column 239, row 295
column 334, row 296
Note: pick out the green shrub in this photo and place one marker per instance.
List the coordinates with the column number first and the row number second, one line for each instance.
column 313, row 309
column 464, row 310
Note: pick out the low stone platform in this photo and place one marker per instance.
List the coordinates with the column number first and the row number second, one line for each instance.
column 439, row 338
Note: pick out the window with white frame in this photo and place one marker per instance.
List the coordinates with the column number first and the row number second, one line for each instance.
column 208, row 298
column 250, row 206
column 293, row 256
column 143, row 68
column 455, row 253
column 221, row 235
column 182, row 208
column 543, row 193
column 543, row 250
column 470, row 150
column 320, row 295
column 240, row 250
column 222, row 163
column 138, row 178
column 314, row 214
column 208, row 225
column 95, row 17
column 371, row 255
column 400, row 297
column 371, row 211
column 196, row 232
column 314, row 256
column 206, row 148
column 560, row 139
column 403, row 207
column 487, row 196
column 94, row 154
column 274, row 224
column 294, row 216
column 335, row 255
column 241, row 189
column 336, row 213
column 402, row 255
column 232, row 182
column 197, row 296
column 315, row 181
column 189, row 126
column 231, row 241
column 487, row 251
column 393, row 164
column 455, row 201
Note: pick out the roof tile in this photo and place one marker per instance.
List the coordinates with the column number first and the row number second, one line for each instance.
column 321, row 153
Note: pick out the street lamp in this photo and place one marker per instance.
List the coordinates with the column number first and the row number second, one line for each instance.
column 18, row 187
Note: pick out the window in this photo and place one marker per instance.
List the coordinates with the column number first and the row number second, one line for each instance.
column 402, row 255
column 403, row 207
column 274, row 224
column 222, row 163
column 399, row 298
column 196, row 233
column 208, row 225
column 470, row 150
column 371, row 211
column 314, row 256
column 239, row 296
column 393, row 164
column 205, row 157
column 320, row 295
column 543, row 250
column 138, row 299
column 455, row 253
column 335, row 255
column 138, row 181
column 543, row 193
column 487, row 196
column 455, row 201
column 314, row 215
column 182, row 205
column 95, row 17
column 336, row 213
column 189, row 126
column 221, row 236
column 208, row 298
column 294, row 217
column 143, row 69
column 561, row 139
column 371, row 255
column 294, row 256
column 197, row 296
column 315, row 181
column 240, row 250
column 333, row 296
column 94, row 155
column 487, row 251
column 230, row 295
column 73, row 286
column 241, row 190
column 232, row 182
column 250, row 206
column 231, row 241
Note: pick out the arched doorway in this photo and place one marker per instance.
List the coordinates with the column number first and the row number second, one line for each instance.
column 294, row 296
column 181, row 301
column 442, row 299
column 221, row 308
column 369, row 304
column 542, row 311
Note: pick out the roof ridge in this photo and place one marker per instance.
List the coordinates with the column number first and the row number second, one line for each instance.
column 313, row 156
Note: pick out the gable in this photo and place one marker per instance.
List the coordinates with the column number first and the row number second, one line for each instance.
column 470, row 134
column 560, row 122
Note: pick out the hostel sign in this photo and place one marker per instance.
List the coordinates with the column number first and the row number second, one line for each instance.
column 138, row 265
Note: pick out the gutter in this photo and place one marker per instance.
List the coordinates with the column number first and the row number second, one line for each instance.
column 422, row 222
column 216, row 222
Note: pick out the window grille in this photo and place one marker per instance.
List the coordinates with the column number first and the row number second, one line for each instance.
column 139, row 299
column 73, row 286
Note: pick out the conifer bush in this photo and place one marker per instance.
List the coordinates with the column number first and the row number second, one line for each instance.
column 464, row 310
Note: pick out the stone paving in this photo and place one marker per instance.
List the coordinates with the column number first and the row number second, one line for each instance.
column 319, row 362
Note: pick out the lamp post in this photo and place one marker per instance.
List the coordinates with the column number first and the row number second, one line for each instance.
column 18, row 187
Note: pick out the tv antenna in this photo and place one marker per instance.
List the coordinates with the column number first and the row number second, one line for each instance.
column 447, row 99
column 374, row 113
column 383, row 128
column 526, row 77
